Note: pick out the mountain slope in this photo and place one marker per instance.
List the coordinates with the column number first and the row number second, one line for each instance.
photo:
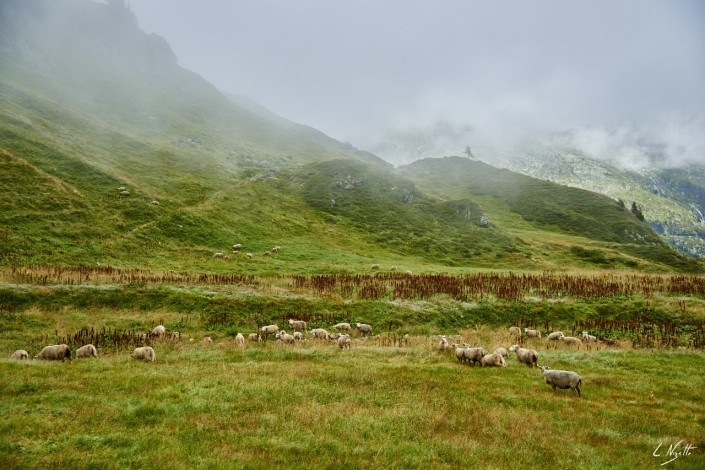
column 86, row 116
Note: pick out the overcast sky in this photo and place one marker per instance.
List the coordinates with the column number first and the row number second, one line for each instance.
column 357, row 69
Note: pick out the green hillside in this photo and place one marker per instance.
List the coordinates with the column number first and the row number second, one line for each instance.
column 90, row 106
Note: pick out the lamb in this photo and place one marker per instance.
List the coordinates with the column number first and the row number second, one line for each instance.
column 364, row 328
column 555, row 336
column 443, row 345
column 269, row 330
column 298, row 336
column 571, row 341
column 240, row 340
column 297, row 325
column 474, row 355
column 218, row 254
column 374, row 266
column 344, row 341
column 493, row 360
column 254, row 337
column 514, row 331
column 20, row 355
column 285, row 337
column 563, row 379
column 145, row 353
column 158, row 330
column 55, row 352
column 342, row 327
column 589, row 338
column 250, row 255
column 459, row 352
column 502, row 352
column 320, row 333
column 86, row 351
column 532, row 333
column 526, row 356
column 276, row 249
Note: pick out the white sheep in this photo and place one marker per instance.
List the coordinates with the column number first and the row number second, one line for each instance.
column 320, row 333
column 297, row 325
column 563, row 379
column 218, row 254
column 159, row 330
column 555, row 336
column 493, row 360
column 474, row 355
column 55, row 352
column 514, row 331
column 254, row 337
column 364, row 328
column 532, row 333
column 240, row 340
column 342, row 327
column 86, row 351
column 20, row 355
column 525, row 356
column 145, row 353
column 502, row 352
column 250, row 255
column 443, row 345
column 588, row 338
column 298, row 336
column 374, row 266
column 285, row 337
column 276, row 249
column 268, row 330
column 237, row 247
column 207, row 340
column 571, row 341
column 344, row 341
column 459, row 352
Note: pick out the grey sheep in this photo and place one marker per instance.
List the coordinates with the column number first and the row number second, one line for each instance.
column 207, row 340
column 364, row 328
column 159, row 330
column 502, row 352
column 459, row 352
column 320, row 333
column 588, row 338
column 86, row 351
column 493, row 360
column 145, row 353
column 342, row 327
column 374, row 266
column 515, row 331
column 555, row 336
column 532, row 333
column 525, row 356
column 268, row 330
column 571, row 341
column 285, row 337
column 297, row 325
column 563, row 379
column 55, row 352
column 474, row 355
column 20, row 355
column 218, row 254
column 344, row 341
column 237, row 247
column 255, row 337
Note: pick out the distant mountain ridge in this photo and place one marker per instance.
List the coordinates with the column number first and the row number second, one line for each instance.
column 112, row 154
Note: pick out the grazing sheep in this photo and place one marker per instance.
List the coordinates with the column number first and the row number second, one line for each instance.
column 474, row 355
column 514, row 331
column 563, row 379
column 20, row 355
column 207, row 340
column 571, row 341
column 298, row 336
column 268, row 330
column 159, row 330
column 218, row 254
column 493, row 360
column 443, row 345
column 459, row 352
column 237, row 247
column 320, row 333
column 393, row 268
column 276, row 249
column 342, row 327
column 297, row 325
column 250, row 255
column 526, row 356
column 86, row 351
column 364, row 328
column 55, row 352
column 409, row 273
column 267, row 253
column 254, row 337
column 589, row 338
column 155, row 202
column 555, row 336
column 125, row 193
column 374, row 266
column 344, row 341
column 145, row 353
column 502, row 352
column 532, row 333
column 285, row 337
column 240, row 340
